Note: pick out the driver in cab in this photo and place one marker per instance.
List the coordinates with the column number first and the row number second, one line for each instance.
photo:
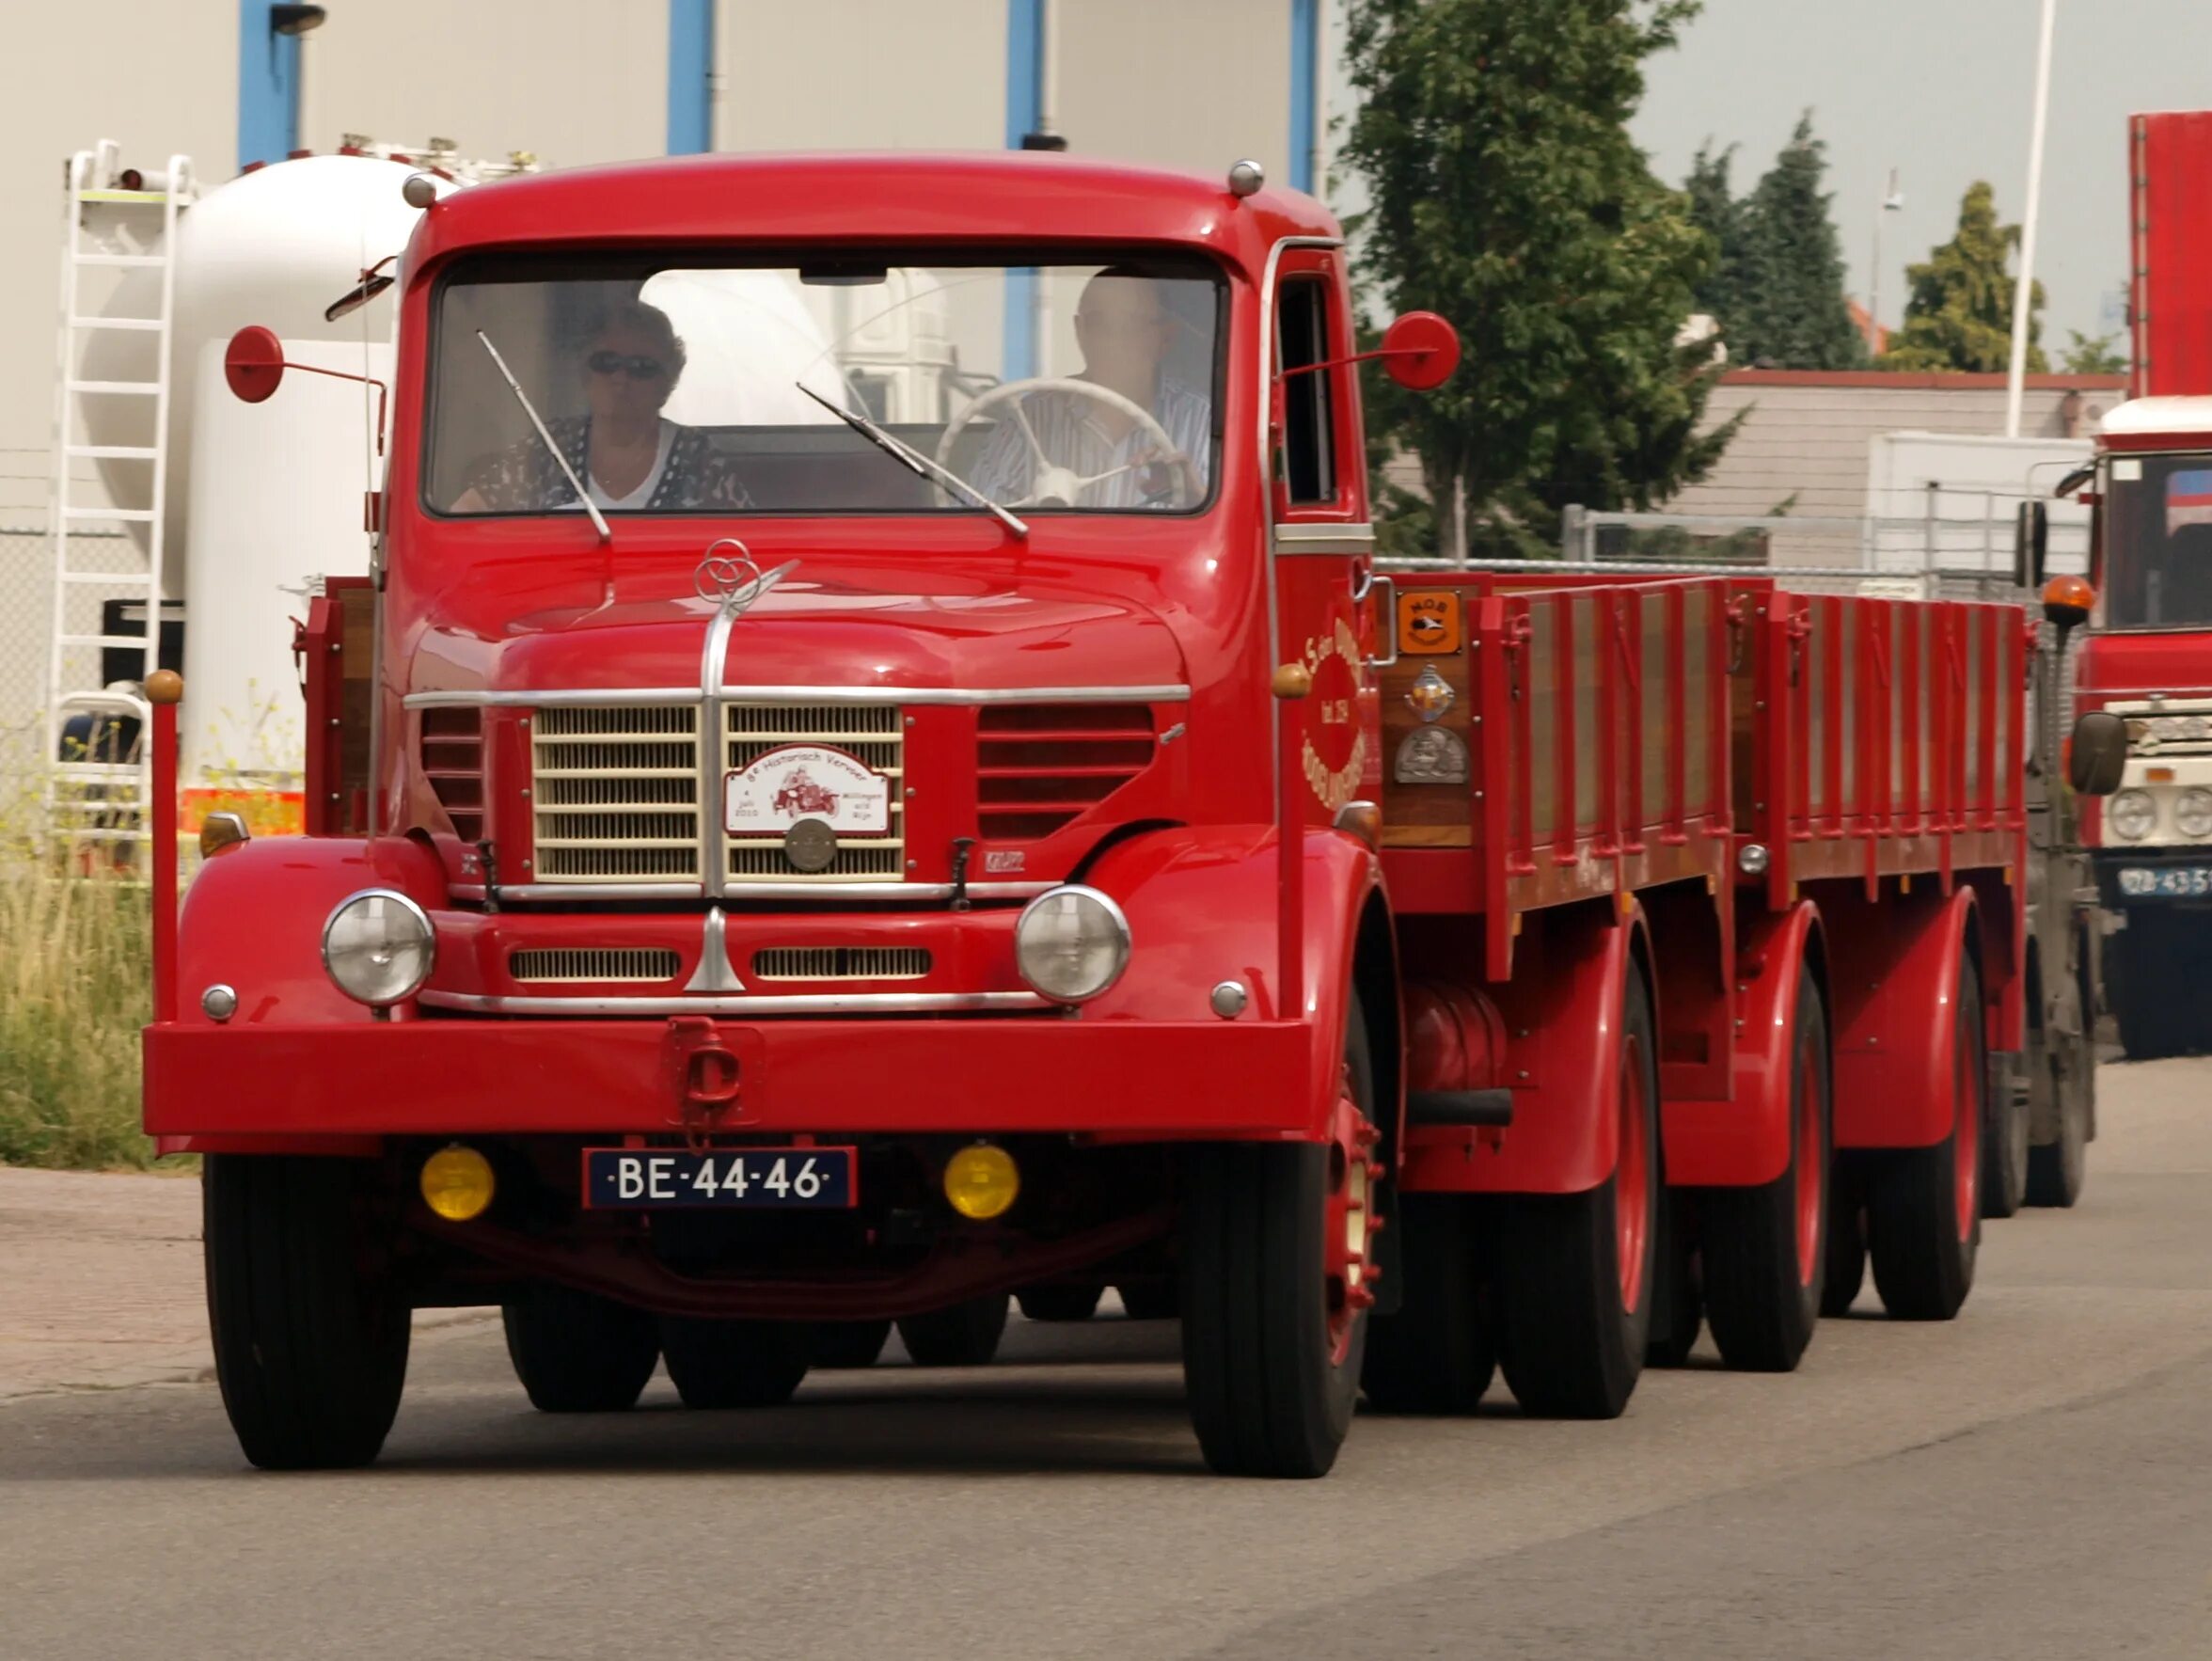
column 1062, row 445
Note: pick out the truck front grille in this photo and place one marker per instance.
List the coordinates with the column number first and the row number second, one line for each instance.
column 873, row 734
column 840, row 963
column 615, row 794
column 593, row 963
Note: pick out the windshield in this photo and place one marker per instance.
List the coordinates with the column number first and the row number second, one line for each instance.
column 2157, row 535
column 683, row 388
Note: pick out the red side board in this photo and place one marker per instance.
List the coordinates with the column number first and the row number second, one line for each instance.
column 2170, row 177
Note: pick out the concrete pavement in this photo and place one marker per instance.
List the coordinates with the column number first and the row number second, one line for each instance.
column 2030, row 1480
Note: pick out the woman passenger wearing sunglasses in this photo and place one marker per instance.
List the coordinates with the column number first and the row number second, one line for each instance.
column 628, row 457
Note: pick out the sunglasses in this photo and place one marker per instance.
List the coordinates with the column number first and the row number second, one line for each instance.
column 639, row 367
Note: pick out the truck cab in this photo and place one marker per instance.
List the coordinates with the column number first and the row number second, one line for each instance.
column 831, row 786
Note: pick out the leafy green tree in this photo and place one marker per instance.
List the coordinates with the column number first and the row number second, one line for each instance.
column 1788, row 308
column 1715, row 211
column 2093, row 356
column 1506, row 193
column 1960, row 313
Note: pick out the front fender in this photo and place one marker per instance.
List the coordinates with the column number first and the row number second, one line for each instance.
column 1201, row 902
column 253, row 921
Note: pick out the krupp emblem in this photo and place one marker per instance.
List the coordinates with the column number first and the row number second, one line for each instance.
column 722, row 577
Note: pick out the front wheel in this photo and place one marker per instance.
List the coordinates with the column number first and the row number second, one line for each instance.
column 1576, row 1272
column 1275, row 1271
column 310, row 1333
column 575, row 1352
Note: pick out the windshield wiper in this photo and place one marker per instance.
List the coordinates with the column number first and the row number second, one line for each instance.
column 553, row 450
column 914, row 461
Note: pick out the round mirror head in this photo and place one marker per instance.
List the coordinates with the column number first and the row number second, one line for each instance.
column 1423, row 350
column 253, row 364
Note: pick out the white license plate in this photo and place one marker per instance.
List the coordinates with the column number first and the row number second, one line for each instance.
column 2166, row 881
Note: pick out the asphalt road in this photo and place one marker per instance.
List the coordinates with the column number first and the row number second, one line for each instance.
column 2034, row 1480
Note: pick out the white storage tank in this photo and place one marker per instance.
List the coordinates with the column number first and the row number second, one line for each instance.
column 260, row 498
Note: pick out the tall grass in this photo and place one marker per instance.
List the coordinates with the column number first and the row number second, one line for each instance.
column 75, row 987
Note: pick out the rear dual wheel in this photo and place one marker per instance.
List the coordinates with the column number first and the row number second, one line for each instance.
column 1435, row 1355
column 1579, row 1271
column 1924, row 1205
column 1765, row 1250
column 1059, row 1302
column 575, row 1353
column 725, row 1364
column 966, row 1334
column 1275, row 1271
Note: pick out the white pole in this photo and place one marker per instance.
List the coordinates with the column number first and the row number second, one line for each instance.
column 2025, row 287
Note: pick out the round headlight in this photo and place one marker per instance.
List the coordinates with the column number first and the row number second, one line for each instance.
column 378, row 946
column 1071, row 943
column 2132, row 813
column 2193, row 813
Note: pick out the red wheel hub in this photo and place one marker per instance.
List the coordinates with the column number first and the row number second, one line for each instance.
column 1348, row 1222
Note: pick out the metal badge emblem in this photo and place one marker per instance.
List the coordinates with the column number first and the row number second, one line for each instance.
column 1430, row 695
column 722, row 578
column 810, row 845
column 1433, row 756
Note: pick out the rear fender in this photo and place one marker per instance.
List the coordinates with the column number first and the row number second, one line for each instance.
column 253, row 921
column 1201, row 902
column 1745, row 1142
column 1895, row 988
column 1562, row 1011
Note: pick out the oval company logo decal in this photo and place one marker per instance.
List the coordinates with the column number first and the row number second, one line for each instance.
column 806, row 782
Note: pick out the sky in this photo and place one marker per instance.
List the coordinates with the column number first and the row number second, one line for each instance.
column 1942, row 90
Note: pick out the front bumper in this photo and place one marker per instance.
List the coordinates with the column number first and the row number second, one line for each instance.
column 1126, row 1081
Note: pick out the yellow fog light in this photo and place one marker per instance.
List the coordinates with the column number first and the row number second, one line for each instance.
column 457, row 1183
column 980, row 1183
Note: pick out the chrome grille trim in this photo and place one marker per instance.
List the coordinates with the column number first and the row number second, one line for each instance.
column 615, row 794
column 593, row 963
column 804, row 1004
column 840, row 963
column 877, row 893
column 573, row 697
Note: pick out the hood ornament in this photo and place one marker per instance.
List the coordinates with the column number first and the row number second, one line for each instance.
column 733, row 580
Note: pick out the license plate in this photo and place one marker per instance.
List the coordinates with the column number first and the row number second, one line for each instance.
column 2166, row 881
column 770, row 1178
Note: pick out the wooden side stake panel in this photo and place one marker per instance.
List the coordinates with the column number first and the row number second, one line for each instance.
column 1428, row 788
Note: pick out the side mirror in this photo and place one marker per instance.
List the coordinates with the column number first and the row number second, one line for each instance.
column 2030, row 544
column 253, row 365
column 2098, row 755
column 1419, row 351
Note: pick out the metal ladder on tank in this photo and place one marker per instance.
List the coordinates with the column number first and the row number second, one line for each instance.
column 112, row 218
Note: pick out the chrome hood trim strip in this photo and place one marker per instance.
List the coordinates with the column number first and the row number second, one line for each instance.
column 797, row 1004
column 570, row 697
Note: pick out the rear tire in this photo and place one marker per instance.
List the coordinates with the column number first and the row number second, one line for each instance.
column 575, row 1352
column 1150, row 1300
column 1059, row 1303
column 1845, row 1270
column 2058, row 1170
column 844, row 1345
column 1574, row 1325
column 1765, row 1248
column 1275, row 1325
column 1678, row 1308
column 967, row 1335
column 1434, row 1355
column 2005, row 1135
column 722, row 1363
column 310, row 1330
column 1923, row 1213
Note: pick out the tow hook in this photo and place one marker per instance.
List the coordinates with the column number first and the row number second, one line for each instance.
column 704, row 1074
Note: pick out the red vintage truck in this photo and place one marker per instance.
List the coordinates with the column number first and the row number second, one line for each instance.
column 2148, row 659
column 1402, row 978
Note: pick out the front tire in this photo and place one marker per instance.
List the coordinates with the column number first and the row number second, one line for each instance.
column 2005, row 1136
column 1577, row 1272
column 1274, row 1293
column 1766, row 1248
column 2058, row 1170
column 310, row 1330
column 967, row 1335
column 723, row 1364
column 575, row 1352
column 1923, row 1211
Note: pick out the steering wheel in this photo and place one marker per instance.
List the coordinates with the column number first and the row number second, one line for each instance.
column 1052, row 485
